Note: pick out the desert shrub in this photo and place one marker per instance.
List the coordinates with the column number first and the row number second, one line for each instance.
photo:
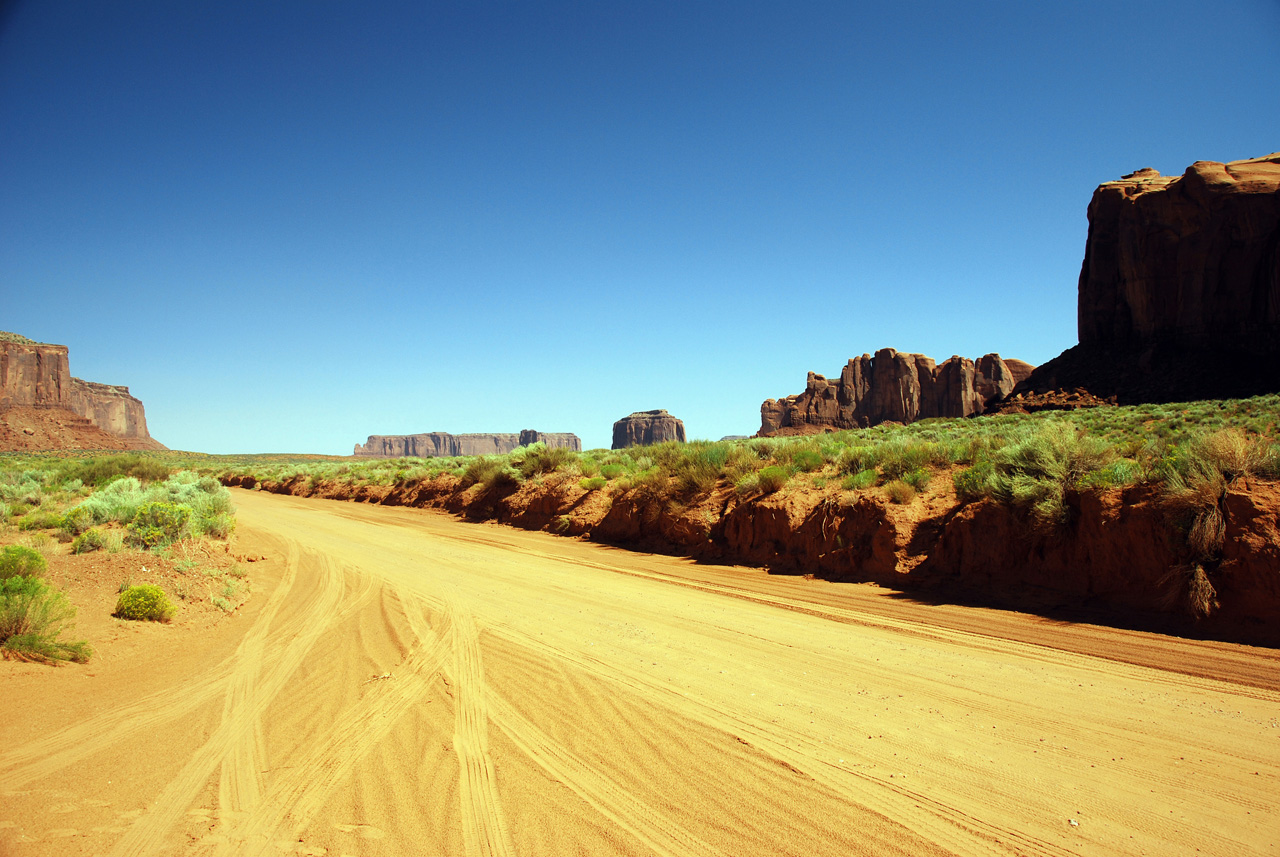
column 899, row 492
column 739, row 461
column 594, row 483
column 698, row 466
column 807, row 460
column 860, row 480
column 76, row 520
column 974, row 482
column 157, row 524
column 100, row 471
column 146, row 602
column 857, row 459
column 41, row 519
column 539, row 458
column 481, row 471
column 747, row 484
column 1036, row 471
column 611, row 471
column 33, row 616
column 917, row 478
column 17, row 560
column 772, row 478
column 88, row 541
column 1189, row 588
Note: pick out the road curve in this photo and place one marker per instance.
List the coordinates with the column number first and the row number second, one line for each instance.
column 408, row 683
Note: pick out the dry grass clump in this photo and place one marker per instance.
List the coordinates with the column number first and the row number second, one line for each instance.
column 899, row 492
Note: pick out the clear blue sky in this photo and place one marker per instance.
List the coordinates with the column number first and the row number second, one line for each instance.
column 286, row 226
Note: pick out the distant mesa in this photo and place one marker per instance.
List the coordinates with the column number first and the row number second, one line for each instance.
column 43, row 407
column 1179, row 293
column 893, row 387
column 645, row 428
column 439, row 444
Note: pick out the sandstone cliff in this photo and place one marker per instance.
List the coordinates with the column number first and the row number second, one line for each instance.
column 645, row 428
column 36, row 375
column 893, row 386
column 1179, row 293
column 442, row 444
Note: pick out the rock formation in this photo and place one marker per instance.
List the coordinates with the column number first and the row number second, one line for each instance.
column 35, row 375
column 440, row 444
column 893, row 387
column 1179, row 293
column 645, row 428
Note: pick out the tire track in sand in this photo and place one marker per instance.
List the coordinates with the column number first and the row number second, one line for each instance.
column 942, row 824
column 602, row 794
column 292, row 802
column 68, row 746
column 252, row 690
column 484, row 828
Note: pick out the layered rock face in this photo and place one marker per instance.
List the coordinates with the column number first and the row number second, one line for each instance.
column 109, row 407
column 1190, row 260
column 645, row 428
column 37, row 375
column 33, row 374
column 893, row 386
column 1179, row 293
column 442, row 444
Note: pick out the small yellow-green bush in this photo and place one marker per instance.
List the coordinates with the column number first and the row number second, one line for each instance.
column 16, row 560
column 146, row 601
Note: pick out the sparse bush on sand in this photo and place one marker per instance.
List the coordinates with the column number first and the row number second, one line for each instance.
column 146, row 602
column 33, row 615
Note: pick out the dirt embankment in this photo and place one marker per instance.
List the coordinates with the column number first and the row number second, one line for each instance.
column 1120, row 558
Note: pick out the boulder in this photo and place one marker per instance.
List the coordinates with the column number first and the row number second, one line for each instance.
column 645, row 428
column 892, row 387
column 439, row 444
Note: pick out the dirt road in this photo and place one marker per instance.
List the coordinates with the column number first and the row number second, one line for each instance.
column 403, row 683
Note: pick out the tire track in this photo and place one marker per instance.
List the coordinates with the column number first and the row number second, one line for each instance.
column 943, row 825
column 260, row 687
column 601, row 793
column 484, row 827
column 293, row 801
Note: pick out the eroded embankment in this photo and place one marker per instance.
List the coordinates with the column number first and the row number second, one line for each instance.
column 1120, row 557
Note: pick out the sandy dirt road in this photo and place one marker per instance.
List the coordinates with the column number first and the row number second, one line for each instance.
column 404, row 683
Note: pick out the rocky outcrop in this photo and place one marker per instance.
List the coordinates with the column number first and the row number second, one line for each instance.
column 109, row 407
column 37, row 375
column 1179, row 293
column 893, row 387
column 33, row 374
column 440, row 444
column 645, row 428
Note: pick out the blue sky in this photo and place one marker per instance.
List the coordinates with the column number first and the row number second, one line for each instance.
column 286, row 226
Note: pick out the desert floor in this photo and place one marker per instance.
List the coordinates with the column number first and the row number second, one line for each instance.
column 405, row 683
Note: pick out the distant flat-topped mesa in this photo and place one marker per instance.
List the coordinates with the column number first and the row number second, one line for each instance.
column 439, row 444
column 893, row 387
column 645, row 428
column 36, row 375
column 1190, row 261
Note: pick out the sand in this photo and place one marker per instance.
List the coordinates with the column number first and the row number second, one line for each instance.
column 405, row 683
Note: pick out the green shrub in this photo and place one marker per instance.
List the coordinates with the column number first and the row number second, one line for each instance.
column 612, row 471
column 76, row 520
column 974, row 482
column 32, row 617
column 101, row 471
column 899, row 492
column 157, row 524
column 595, row 483
column 40, row 519
column 146, row 601
column 807, row 460
column 860, row 480
column 772, row 478
column 747, row 484
column 16, row 560
column 88, row 541
column 539, row 458
column 917, row 478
